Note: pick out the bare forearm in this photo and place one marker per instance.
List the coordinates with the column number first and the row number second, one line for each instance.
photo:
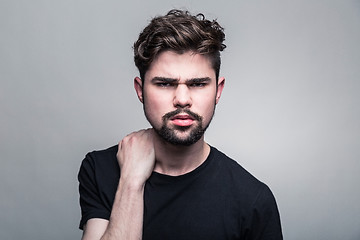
column 136, row 158
column 126, row 220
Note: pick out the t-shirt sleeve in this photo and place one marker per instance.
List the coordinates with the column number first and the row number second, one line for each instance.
column 92, row 206
column 265, row 221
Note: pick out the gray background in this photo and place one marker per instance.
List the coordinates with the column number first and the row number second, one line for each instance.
column 289, row 112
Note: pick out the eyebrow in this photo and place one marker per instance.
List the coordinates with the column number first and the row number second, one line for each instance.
column 174, row 80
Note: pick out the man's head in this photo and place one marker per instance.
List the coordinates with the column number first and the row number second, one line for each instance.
column 178, row 56
column 180, row 32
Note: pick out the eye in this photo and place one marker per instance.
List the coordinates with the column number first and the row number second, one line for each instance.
column 197, row 84
column 163, row 84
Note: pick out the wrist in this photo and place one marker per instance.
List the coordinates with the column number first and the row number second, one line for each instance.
column 132, row 184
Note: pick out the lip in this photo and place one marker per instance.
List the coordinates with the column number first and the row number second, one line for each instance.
column 182, row 120
column 182, row 117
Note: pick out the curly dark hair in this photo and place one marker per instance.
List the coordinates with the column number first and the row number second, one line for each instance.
column 179, row 31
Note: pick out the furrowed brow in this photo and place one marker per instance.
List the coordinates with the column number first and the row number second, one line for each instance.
column 164, row 79
column 198, row 80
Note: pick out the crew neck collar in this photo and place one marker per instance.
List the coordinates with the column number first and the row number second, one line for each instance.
column 163, row 177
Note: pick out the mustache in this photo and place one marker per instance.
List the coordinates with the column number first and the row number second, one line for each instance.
column 180, row 110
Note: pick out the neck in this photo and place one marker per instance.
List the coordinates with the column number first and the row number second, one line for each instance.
column 175, row 160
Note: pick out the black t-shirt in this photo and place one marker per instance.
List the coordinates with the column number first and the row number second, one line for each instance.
column 217, row 200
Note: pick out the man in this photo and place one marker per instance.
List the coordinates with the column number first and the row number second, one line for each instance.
column 167, row 182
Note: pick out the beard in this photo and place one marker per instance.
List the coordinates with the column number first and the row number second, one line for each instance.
column 172, row 134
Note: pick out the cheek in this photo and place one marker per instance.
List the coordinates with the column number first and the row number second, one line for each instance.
column 206, row 106
column 154, row 107
column 153, row 102
column 159, row 101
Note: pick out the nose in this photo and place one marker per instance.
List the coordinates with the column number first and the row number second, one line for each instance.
column 182, row 96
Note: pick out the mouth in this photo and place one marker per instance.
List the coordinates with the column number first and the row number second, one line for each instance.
column 182, row 120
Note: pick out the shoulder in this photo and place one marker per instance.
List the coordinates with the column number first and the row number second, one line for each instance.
column 100, row 162
column 99, row 157
column 253, row 199
column 243, row 183
column 232, row 168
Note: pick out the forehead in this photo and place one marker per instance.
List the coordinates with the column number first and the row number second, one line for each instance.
column 186, row 65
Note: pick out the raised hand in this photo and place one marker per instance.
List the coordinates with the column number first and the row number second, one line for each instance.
column 136, row 157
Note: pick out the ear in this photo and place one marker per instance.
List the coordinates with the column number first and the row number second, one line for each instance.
column 220, row 87
column 139, row 88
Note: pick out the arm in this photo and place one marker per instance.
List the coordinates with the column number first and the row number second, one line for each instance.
column 265, row 221
column 136, row 158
